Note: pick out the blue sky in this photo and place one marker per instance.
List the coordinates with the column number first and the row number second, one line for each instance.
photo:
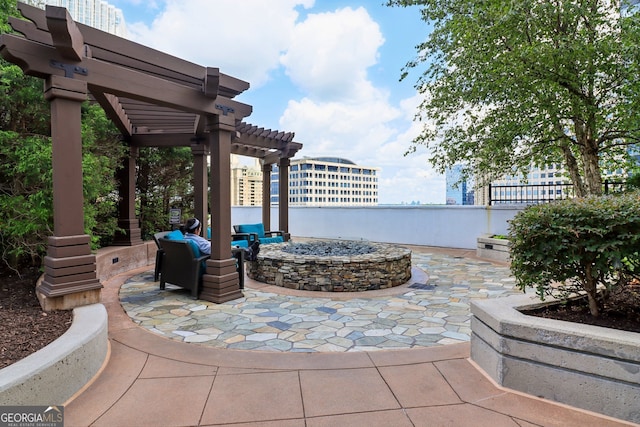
column 327, row 70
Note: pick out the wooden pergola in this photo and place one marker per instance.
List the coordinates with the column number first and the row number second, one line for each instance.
column 155, row 100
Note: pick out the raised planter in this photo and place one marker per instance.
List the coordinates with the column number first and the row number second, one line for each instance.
column 589, row 367
column 53, row 374
column 492, row 248
column 56, row 372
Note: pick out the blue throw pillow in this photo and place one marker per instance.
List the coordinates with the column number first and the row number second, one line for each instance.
column 175, row 235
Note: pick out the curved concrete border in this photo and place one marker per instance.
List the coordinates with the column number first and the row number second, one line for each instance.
column 584, row 366
column 53, row 374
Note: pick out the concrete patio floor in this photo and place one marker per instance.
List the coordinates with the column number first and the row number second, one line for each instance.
column 155, row 380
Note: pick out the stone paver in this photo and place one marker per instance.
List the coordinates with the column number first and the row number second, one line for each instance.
column 335, row 377
column 432, row 309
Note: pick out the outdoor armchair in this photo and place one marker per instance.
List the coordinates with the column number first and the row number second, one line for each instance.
column 156, row 238
column 257, row 231
column 180, row 266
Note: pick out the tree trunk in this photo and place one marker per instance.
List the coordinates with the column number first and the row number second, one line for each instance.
column 591, row 169
column 574, row 171
column 590, row 286
column 584, row 126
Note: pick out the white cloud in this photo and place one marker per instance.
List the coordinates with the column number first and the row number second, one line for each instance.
column 337, row 110
column 414, row 184
column 330, row 53
column 350, row 130
column 243, row 38
column 342, row 114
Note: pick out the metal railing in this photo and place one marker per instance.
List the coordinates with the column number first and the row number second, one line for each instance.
column 541, row 193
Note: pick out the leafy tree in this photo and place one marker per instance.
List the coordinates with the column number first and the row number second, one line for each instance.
column 164, row 182
column 26, row 186
column 26, row 214
column 26, row 199
column 26, row 180
column 103, row 153
column 508, row 84
column 7, row 8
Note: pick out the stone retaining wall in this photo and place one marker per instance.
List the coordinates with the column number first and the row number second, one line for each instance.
column 386, row 267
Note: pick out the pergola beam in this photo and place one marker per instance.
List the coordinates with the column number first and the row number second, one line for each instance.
column 36, row 59
column 116, row 50
column 66, row 37
column 114, row 111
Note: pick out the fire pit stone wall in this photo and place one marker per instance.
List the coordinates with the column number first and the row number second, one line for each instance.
column 385, row 267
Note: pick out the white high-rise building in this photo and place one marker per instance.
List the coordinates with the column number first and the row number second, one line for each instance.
column 328, row 181
column 319, row 181
column 94, row 13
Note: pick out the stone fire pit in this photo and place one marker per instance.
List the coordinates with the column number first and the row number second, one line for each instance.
column 332, row 266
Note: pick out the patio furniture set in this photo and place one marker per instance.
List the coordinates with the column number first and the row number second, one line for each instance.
column 179, row 262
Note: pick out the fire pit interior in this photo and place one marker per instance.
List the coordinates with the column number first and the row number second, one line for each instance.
column 332, row 266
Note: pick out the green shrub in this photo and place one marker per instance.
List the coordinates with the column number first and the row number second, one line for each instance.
column 579, row 244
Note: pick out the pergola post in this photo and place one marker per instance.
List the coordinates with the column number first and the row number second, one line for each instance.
column 266, row 195
column 221, row 282
column 70, row 268
column 200, row 184
column 283, row 196
column 127, row 219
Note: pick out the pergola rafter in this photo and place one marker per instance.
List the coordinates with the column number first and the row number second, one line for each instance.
column 154, row 99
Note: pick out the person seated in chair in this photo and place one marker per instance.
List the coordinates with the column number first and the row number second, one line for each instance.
column 192, row 232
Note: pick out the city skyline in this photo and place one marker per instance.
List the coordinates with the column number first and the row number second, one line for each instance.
column 328, row 71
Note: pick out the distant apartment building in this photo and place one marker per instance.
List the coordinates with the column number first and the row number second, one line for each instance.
column 246, row 183
column 328, row 181
column 94, row 13
column 459, row 191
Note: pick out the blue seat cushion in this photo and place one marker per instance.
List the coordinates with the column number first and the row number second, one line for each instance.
column 252, row 228
column 240, row 243
column 275, row 239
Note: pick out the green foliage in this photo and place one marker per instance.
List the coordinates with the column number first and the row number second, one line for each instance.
column 581, row 244
column 26, row 188
column 164, row 182
column 500, row 236
column 102, row 155
column 26, row 205
column 23, row 109
column 25, row 196
column 512, row 83
column 7, row 8
column 633, row 182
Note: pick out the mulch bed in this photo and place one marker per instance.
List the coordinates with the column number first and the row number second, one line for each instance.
column 622, row 310
column 24, row 327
